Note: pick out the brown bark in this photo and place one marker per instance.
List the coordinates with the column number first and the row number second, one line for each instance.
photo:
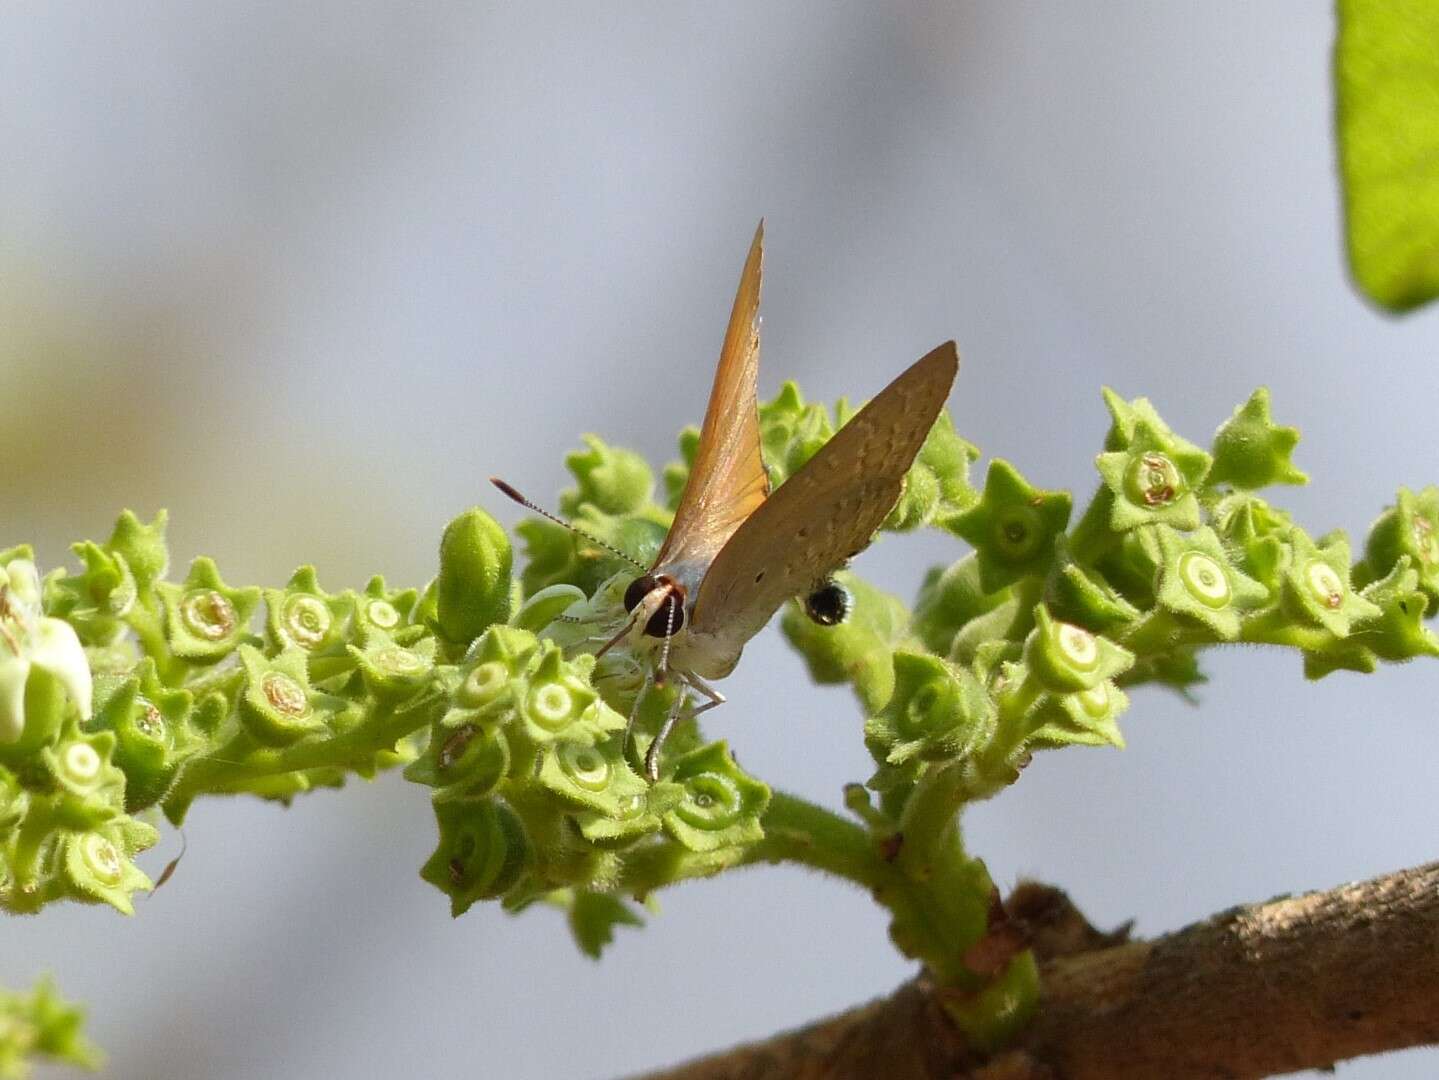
column 1291, row 983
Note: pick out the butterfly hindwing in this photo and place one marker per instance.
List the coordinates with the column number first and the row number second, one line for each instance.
column 827, row 511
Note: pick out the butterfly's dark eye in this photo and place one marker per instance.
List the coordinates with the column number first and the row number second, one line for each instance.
column 639, row 588
column 660, row 624
column 829, row 604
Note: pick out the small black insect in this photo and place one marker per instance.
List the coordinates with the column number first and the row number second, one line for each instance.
column 828, row 604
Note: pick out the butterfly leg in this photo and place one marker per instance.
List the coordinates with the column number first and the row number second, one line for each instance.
column 634, row 715
column 652, row 755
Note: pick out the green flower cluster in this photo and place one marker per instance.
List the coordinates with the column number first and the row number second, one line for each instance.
column 40, row 1026
column 537, row 798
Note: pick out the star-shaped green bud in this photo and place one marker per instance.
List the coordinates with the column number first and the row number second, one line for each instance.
column 303, row 615
column 1197, row 579
column 1129, row 417
column 1251, row 451
column 142, row 546
column 1396, row 634
column 1065, row 658
column 278, row 706
column 592, row 777
column 634, row 816
column 560, row 703
column 205, row 621
column 492, row 677
column 91, row 789
column 1409, row 528
column 387, row 610
column 857, row 650
column 791, row 432
column 611, row 479
column 721, row 805
column 1082, row 596
column 463, row 761
column 42, row 1025
column 938, row 711
column 1085, row 718
column 482, row 851
column 1153, row 481
column 1013, row 528
column 936, row 488
column 95, row 602
column 151, row 722
column 97, row 863
column 391, row 671
column 1316, row 585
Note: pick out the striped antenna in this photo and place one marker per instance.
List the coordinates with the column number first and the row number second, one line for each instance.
column 510, row 493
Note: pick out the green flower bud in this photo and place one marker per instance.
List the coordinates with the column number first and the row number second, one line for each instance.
column 90, row 789
column 1131, row 419
column 41, row 1025
column 142, row 547
column 559, row 701
column 1316, row 587
column 791, row 432
column 1076, row 595
column 204, row 620
column 305, row 616
column 473, row 590
column 152, row 731
column 97, row 865
column 937, row 711
column 463, row 761
column 611, row 479
column 1410, row 529
column 721, row 805
column 1251, row 451
column 1013, row 528
column 858, row 650
column 589, row 777
column 278, row 707
column 391, row 671
column 937, row 488
column 482, row 852
column 1153, row 481
column 1066, row 658
column 1196, row 579
column 541, row 609
column 1085, row 718
column 633, row 815
column 949, row 599
column 95, row 602
column 593, row 917
column 391, row 611
column 1396, row 634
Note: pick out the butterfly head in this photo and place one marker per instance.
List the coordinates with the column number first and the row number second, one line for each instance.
column 661, row 600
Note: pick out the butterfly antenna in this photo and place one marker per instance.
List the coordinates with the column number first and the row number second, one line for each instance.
column 662, row 675
column 511, row 493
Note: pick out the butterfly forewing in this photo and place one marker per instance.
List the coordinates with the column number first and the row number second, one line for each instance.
column 727, row 480
column 827, row 511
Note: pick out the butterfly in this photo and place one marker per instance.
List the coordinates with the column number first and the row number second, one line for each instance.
column 736, row 551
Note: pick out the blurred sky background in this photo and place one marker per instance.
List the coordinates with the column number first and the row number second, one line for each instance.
column 306, row 274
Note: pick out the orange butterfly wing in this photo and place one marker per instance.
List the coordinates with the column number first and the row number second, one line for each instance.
column 728, row 480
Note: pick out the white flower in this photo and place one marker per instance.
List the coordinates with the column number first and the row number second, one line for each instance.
column 30, row 639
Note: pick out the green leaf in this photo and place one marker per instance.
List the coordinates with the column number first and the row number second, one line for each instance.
column 593, row 918
column 1387, row 70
